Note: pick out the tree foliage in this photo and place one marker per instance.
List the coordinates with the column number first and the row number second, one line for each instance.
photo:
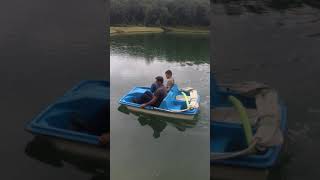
column 160, row 12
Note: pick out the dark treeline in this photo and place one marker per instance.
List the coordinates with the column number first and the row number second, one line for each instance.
column 262, row 6
column 160, row 12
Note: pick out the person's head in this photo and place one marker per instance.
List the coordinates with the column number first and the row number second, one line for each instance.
column 168, row 74
column 159, row 80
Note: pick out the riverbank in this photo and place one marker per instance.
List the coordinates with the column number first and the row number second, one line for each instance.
column 114, row 30
column 192, row 30
column 134, row 29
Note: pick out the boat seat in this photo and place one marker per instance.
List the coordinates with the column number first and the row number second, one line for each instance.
column 182, row 98
column 176, row 105
column 220, row 144
column 170, row 102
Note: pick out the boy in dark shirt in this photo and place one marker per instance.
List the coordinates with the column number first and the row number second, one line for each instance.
column 154, row 87
column 158, row 95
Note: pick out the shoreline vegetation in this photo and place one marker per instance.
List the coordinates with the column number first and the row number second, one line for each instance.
column 117, row 30
column 159, row 16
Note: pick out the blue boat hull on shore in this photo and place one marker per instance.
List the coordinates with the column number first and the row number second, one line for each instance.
column 87, row 102
column 228, row 135
column 222, row 133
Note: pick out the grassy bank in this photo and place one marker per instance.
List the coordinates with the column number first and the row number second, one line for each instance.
column 134, row 30
column 142, row 29
column 193, row 30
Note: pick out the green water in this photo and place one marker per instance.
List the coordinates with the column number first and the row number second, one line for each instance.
column 145, row 147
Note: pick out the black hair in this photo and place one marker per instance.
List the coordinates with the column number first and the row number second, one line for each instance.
column 159, row 78
column 169, row 72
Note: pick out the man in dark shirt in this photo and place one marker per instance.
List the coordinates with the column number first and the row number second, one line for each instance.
column 147, row 96
column 158, row 95
column 154, row 87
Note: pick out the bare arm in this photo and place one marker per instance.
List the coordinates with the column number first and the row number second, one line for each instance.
column 151, row 102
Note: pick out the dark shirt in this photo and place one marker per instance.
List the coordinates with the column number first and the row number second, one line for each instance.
column 160, row 93
column 154, row 87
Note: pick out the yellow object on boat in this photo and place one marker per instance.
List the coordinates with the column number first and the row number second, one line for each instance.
column 186, row 99
column 244, row 118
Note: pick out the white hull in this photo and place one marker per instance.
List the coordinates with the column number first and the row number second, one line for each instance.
column 160, row 113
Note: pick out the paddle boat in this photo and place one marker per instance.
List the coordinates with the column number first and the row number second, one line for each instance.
column 179, row 103
column 248, row 126
column 60, row 123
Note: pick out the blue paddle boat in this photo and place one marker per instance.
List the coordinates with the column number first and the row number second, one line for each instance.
column 68, row 122
column 248, row 126
column 178, row 104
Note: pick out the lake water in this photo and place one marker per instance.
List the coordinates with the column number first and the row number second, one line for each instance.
column 46, row 47
column 277, row 44
column 158, row 148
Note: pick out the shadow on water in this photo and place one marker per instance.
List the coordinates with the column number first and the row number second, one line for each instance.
column 43, row 150
column 164, row 46
column 158, row 124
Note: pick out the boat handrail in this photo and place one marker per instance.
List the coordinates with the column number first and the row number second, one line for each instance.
column 171, row 110
column 243, row 117
column 229, row 155
column 186, row 99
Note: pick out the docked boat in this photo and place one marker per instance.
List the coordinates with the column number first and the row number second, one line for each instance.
column 61, row 122
column 248, row 126
column 179, row 103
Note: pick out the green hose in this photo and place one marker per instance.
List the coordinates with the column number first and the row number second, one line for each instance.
column 186, row 98
column 244, row 118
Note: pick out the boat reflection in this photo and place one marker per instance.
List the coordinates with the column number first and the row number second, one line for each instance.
column 158, row 124
column 44, row 150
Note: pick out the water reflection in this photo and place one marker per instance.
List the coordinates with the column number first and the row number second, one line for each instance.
column 153, row 141
column 43, row 150
column 158, row 124
column 193, row 49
